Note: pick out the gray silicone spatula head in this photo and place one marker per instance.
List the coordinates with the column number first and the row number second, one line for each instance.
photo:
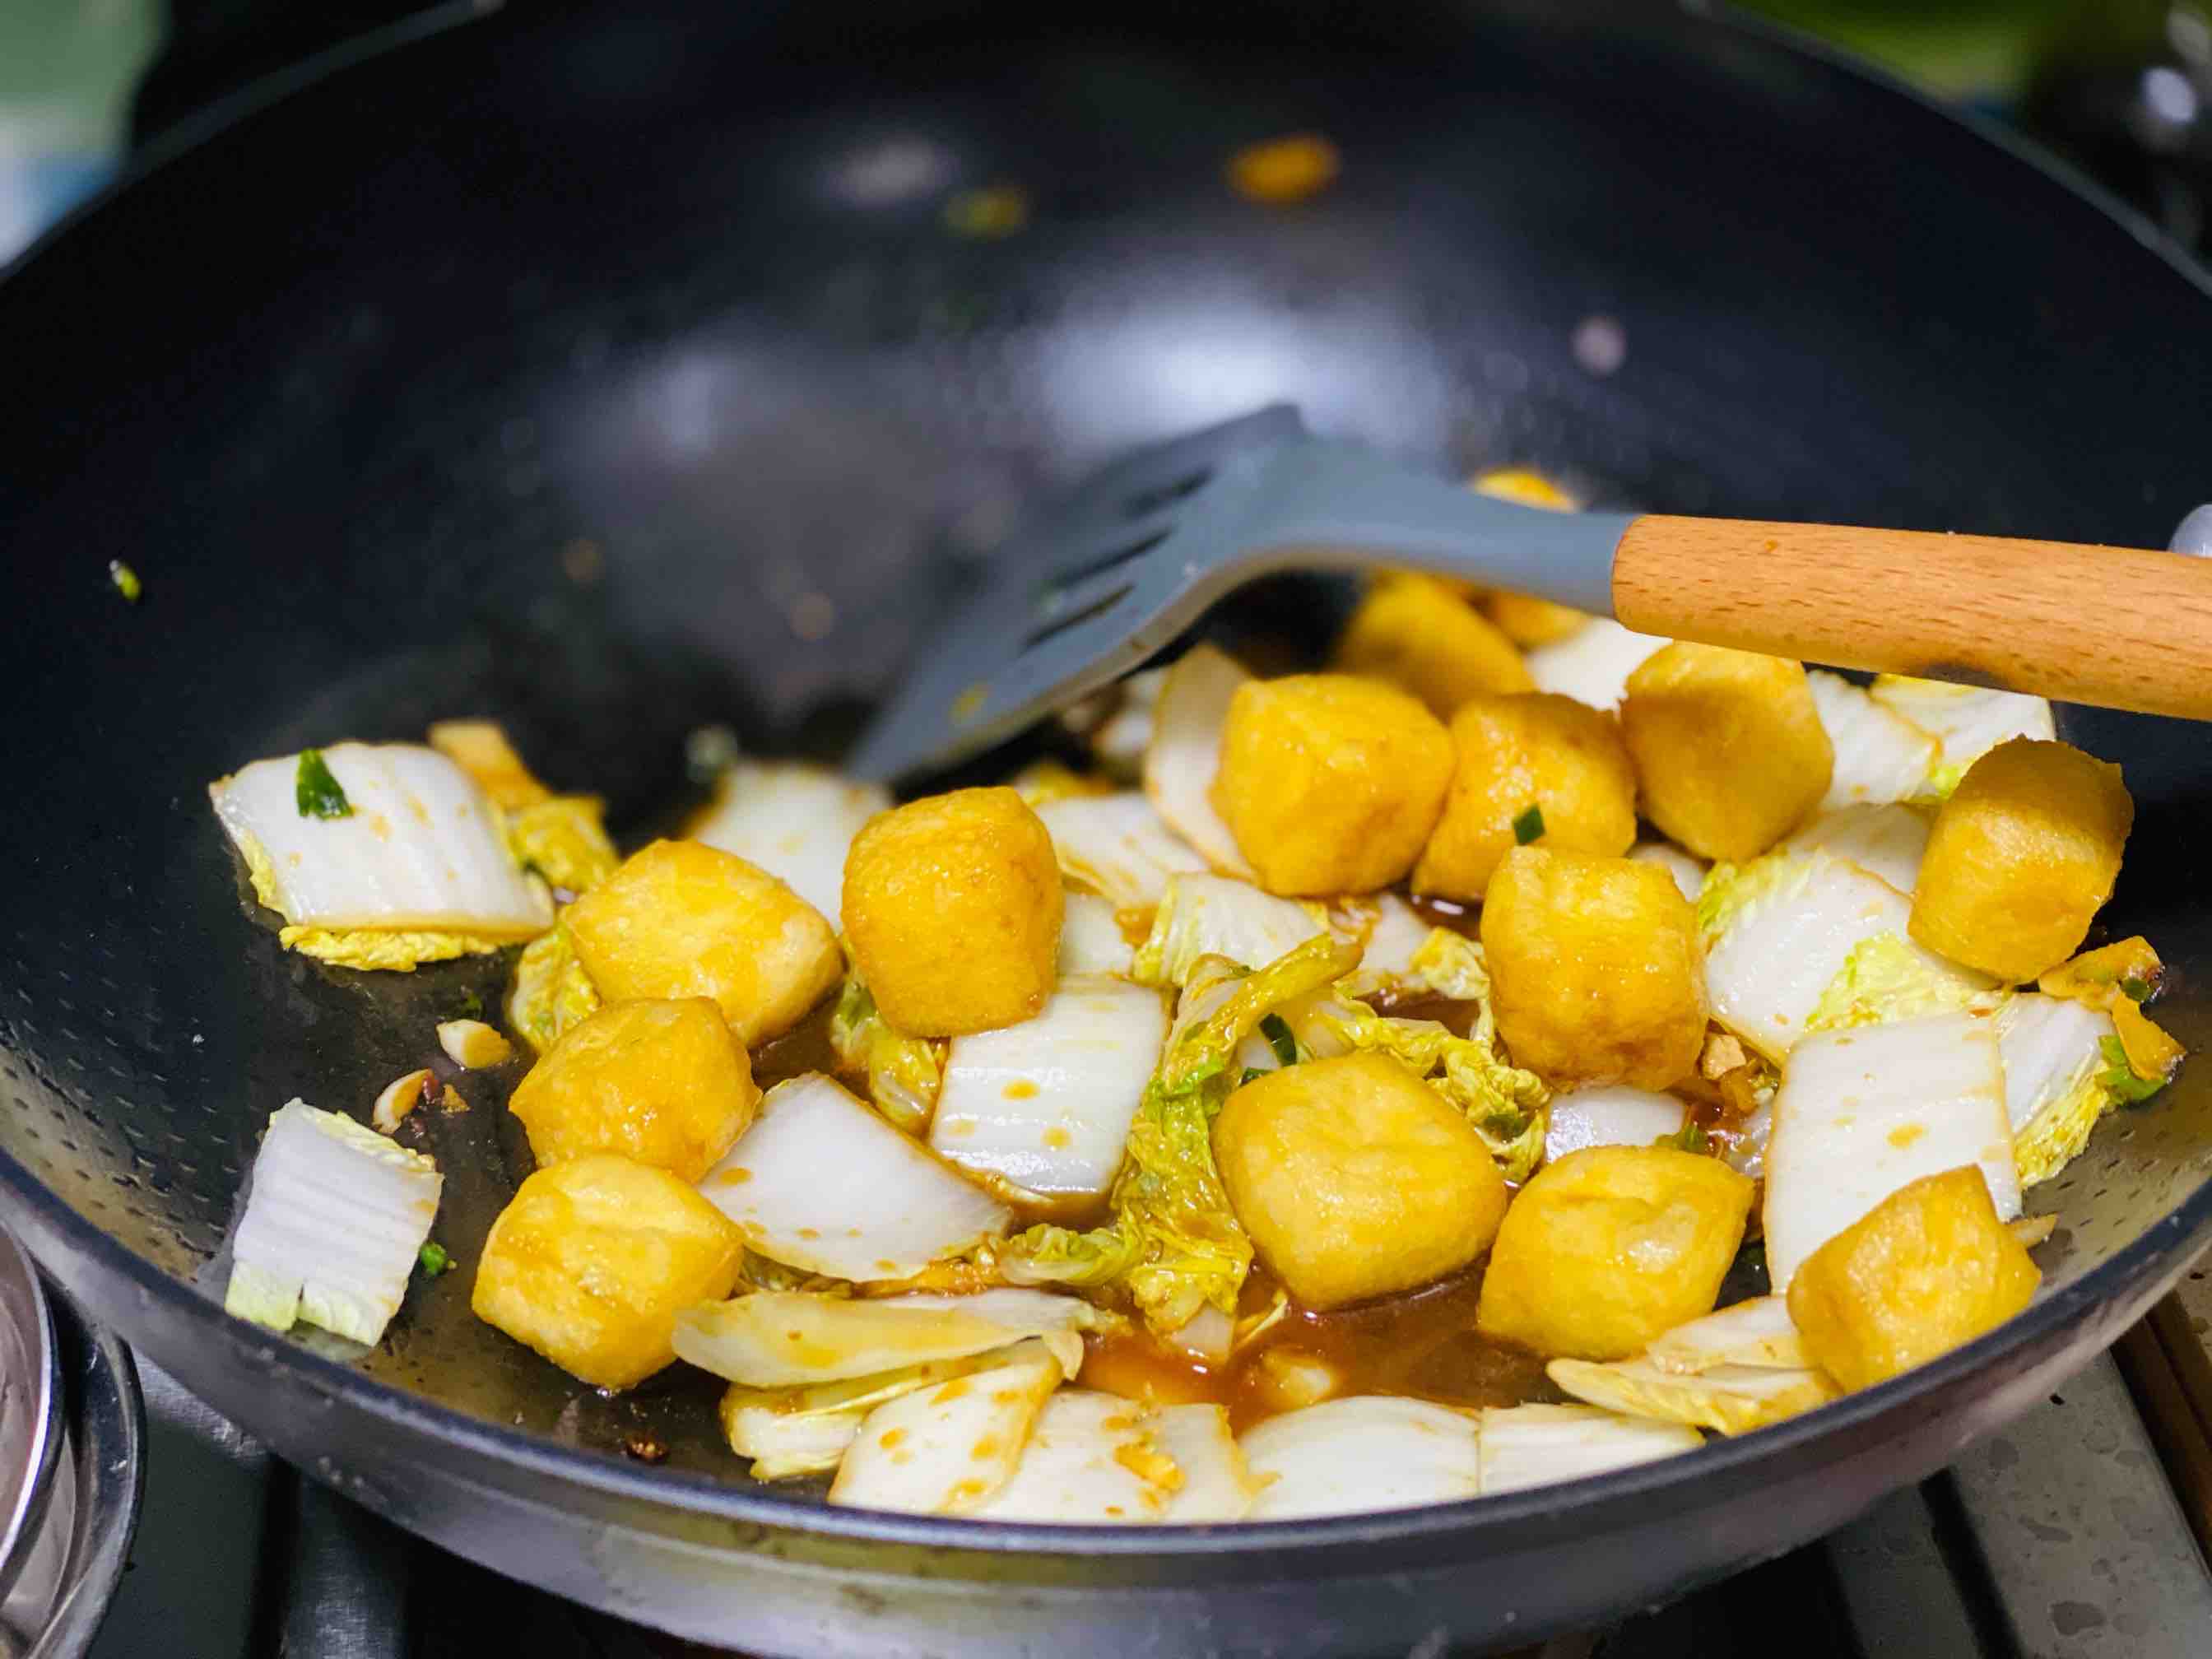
column 1120, row 568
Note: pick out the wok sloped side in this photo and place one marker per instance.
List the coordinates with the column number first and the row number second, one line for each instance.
column 610, row 375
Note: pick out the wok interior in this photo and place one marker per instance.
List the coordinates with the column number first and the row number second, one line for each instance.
column 672, row 400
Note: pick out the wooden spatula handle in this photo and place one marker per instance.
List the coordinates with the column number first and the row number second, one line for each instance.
column 2113, row 626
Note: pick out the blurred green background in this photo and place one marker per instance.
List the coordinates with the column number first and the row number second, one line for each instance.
column 2122, row 87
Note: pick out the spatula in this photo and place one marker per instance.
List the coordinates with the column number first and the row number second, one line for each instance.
column 1136, row 553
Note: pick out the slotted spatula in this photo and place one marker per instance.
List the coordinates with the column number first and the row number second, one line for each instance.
column 1136, row 555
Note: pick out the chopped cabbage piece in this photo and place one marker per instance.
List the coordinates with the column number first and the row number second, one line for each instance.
column 335, row 1219
column 1881, row 755
column 1780, row 931
column 420, row 851
column 795, row 821
column 786, row 1444
column 1966, row 720
column 804, row 1431
column 1090, row 938
column 1216, row 1485
column 1218, row 917
column 1610, row 1115
column 943, row 1451
column 1689, row 872
column 397, row 951
column 1173, row 1244
column 1362, row 1453
column 1118, row 845
column 1592, row 665
column 1734, row 1399
column 1863, row 1112
column 905, row 1073
column 891, row 1210
column 564, row 839
column 1888, row 977
column 1524, row 1446
column 480, row 749
column 551, row 991
column 1758, row 1332
column 1091, row 1458
column 2052, row 1051
column 1185, row 752
column 1888, row 841
column 1390, row 932
column 1508, row 1107
column 800, row 1338
column 1047, row 1104
column 1120, row 741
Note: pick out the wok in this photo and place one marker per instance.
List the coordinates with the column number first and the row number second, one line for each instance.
column 609, row 372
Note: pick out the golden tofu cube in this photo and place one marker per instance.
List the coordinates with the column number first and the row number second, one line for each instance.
column 2021, row 858
column 593, row 1259
column 1416, row 634
column 952, row 906
column 1356, row 1179
column 1529, row 622
column 481, row 748
column 682, row 919
column 1929, row 1267
column 659, row 1080
column 1728, row 747
column 1596, row 974
column 1330, row 783
column 1531, row 753
column 1610, row 1246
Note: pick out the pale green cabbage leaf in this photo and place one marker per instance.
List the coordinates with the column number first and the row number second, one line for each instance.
column 1173, row 1244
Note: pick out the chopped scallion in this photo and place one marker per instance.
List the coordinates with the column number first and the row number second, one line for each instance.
column 318, row 794
column 1279, row 1039
column 1530, row 826
column 434, row 1261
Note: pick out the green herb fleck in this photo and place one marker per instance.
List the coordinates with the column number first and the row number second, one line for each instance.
column 1279, row 1039
column 1690, row 1138
column 434, row 1261
column 2136, row 990
column 1506, row 1124
column 318, row 794
column 125, row 579
column 2120, row 1077
column 1530, row 826
column 471, row 1006
column 1252, row 1073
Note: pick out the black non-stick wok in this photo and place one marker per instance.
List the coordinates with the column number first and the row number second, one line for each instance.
column 610, row 374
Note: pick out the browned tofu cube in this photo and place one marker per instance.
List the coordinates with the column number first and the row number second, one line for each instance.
column 661, row 1081
column 1356, row 1179
column 1330, row 783
column 952, row 907
column 2022, row 857
column 682, row 919
column 1596, row 974
column 1730, row 751
column 1928, row 1268
column 1414, row 633
column 1532, row 766
column 1529, row 622
column 593, row 1259
column 1610, row 1246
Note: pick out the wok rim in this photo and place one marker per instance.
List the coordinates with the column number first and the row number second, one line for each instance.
column 126, row 1290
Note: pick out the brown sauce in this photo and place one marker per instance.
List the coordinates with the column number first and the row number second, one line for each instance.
column 1422, row 1344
